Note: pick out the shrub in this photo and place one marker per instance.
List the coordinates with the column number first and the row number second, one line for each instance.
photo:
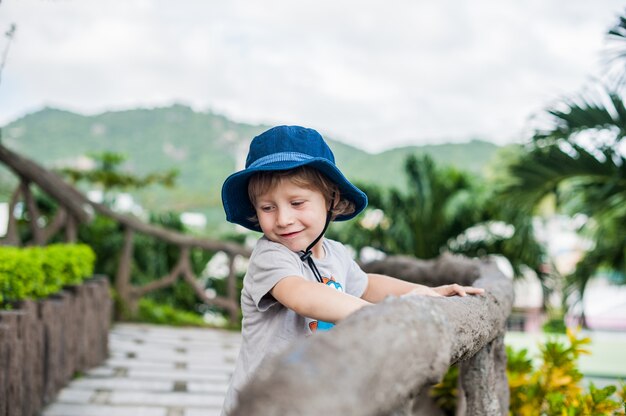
column 152, row 312
column 552, row 389
column 37, row 272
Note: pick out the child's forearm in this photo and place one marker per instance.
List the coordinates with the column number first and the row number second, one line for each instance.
column 315, row 300
column 380, row 286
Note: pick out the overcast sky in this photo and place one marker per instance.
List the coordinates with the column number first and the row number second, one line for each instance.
column 371, row 73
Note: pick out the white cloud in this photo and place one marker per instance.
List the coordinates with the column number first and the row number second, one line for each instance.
column 371, row 73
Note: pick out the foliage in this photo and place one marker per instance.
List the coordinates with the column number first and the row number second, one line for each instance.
column 444, row 209
column 616, row 51
column 554, row 325
column 152, row 258
column 555, row 321
column 551, row 389
column 577, row 156
column 554, row 387
column 37, row 272
column 420, row 221
column 445, row 393
column 108, row 176
column 156, row 313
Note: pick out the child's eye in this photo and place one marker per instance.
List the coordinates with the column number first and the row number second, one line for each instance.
column 267, row 208
column 297, row 203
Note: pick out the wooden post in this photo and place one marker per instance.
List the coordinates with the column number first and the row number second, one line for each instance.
column 14, row 397
column 33, row 213
column 6, row 338
column 71, row 229
column 122, row 279
column 232, row 288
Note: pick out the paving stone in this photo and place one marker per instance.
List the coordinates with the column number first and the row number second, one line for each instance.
column 183, row 364
column 171, row 358
column 175, row 411
column 64, row 409
column 177, row 375
column 164, row 343
column 121, row 384
column 162, row 355
column 101, row 397
column 137, row 330
column 101, row 372
column 202, row 412
column 195, row 367
column 69, row 395
column 135, row 363
column 167, row 399
column 213, row 388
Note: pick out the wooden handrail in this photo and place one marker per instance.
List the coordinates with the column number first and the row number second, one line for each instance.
column 48, row 181
column 75, row 208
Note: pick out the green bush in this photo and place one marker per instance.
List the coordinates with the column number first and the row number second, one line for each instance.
column 155, row 313
column 554, row 326
column 37, row 272
column 554, row 388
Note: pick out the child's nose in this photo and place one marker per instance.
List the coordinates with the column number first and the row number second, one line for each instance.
column 284, row 217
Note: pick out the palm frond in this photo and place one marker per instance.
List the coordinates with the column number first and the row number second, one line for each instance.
column 616, row 53
column 603, row 109
column 543, row 170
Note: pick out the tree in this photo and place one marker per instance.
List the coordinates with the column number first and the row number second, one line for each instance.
column 107, row 175
column 444, row 210
column 577, row 155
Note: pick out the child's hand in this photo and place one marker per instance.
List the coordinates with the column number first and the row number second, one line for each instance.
column 446, row 290
column 453, row 290
column 423, row 290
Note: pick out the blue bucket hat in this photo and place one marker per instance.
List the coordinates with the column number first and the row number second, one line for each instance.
column 283, row 148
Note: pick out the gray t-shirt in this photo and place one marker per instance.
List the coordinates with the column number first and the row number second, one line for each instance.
column 268, row 327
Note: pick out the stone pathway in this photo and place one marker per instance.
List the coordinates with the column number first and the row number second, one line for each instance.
column 154, row 371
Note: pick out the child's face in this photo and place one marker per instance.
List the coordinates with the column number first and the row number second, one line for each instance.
column 292, row 216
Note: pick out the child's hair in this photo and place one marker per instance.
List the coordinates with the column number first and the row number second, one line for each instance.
column 303, row 176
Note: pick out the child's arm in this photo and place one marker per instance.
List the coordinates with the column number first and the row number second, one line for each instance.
column 315, row 300
column 380, row 286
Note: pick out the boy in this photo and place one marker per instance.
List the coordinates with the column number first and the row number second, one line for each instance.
column 297, row 281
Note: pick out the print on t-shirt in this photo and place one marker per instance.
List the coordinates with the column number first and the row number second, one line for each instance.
column 321, row 325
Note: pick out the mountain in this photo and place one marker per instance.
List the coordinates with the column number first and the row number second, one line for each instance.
column 203, row 146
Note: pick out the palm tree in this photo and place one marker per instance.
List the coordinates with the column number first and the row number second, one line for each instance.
column 437, row 213
column 578, row 156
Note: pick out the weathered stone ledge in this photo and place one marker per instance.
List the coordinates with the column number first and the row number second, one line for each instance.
column 381, row 358
column 44, row 343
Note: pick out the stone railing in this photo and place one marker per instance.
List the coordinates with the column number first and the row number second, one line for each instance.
column 383, row 359
column 43, row 344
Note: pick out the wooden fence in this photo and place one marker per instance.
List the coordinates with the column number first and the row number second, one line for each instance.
column 74, row 208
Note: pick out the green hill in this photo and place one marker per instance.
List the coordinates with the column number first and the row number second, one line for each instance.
column 204, row 147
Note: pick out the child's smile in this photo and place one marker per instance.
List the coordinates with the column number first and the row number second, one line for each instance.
column 292, row 216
